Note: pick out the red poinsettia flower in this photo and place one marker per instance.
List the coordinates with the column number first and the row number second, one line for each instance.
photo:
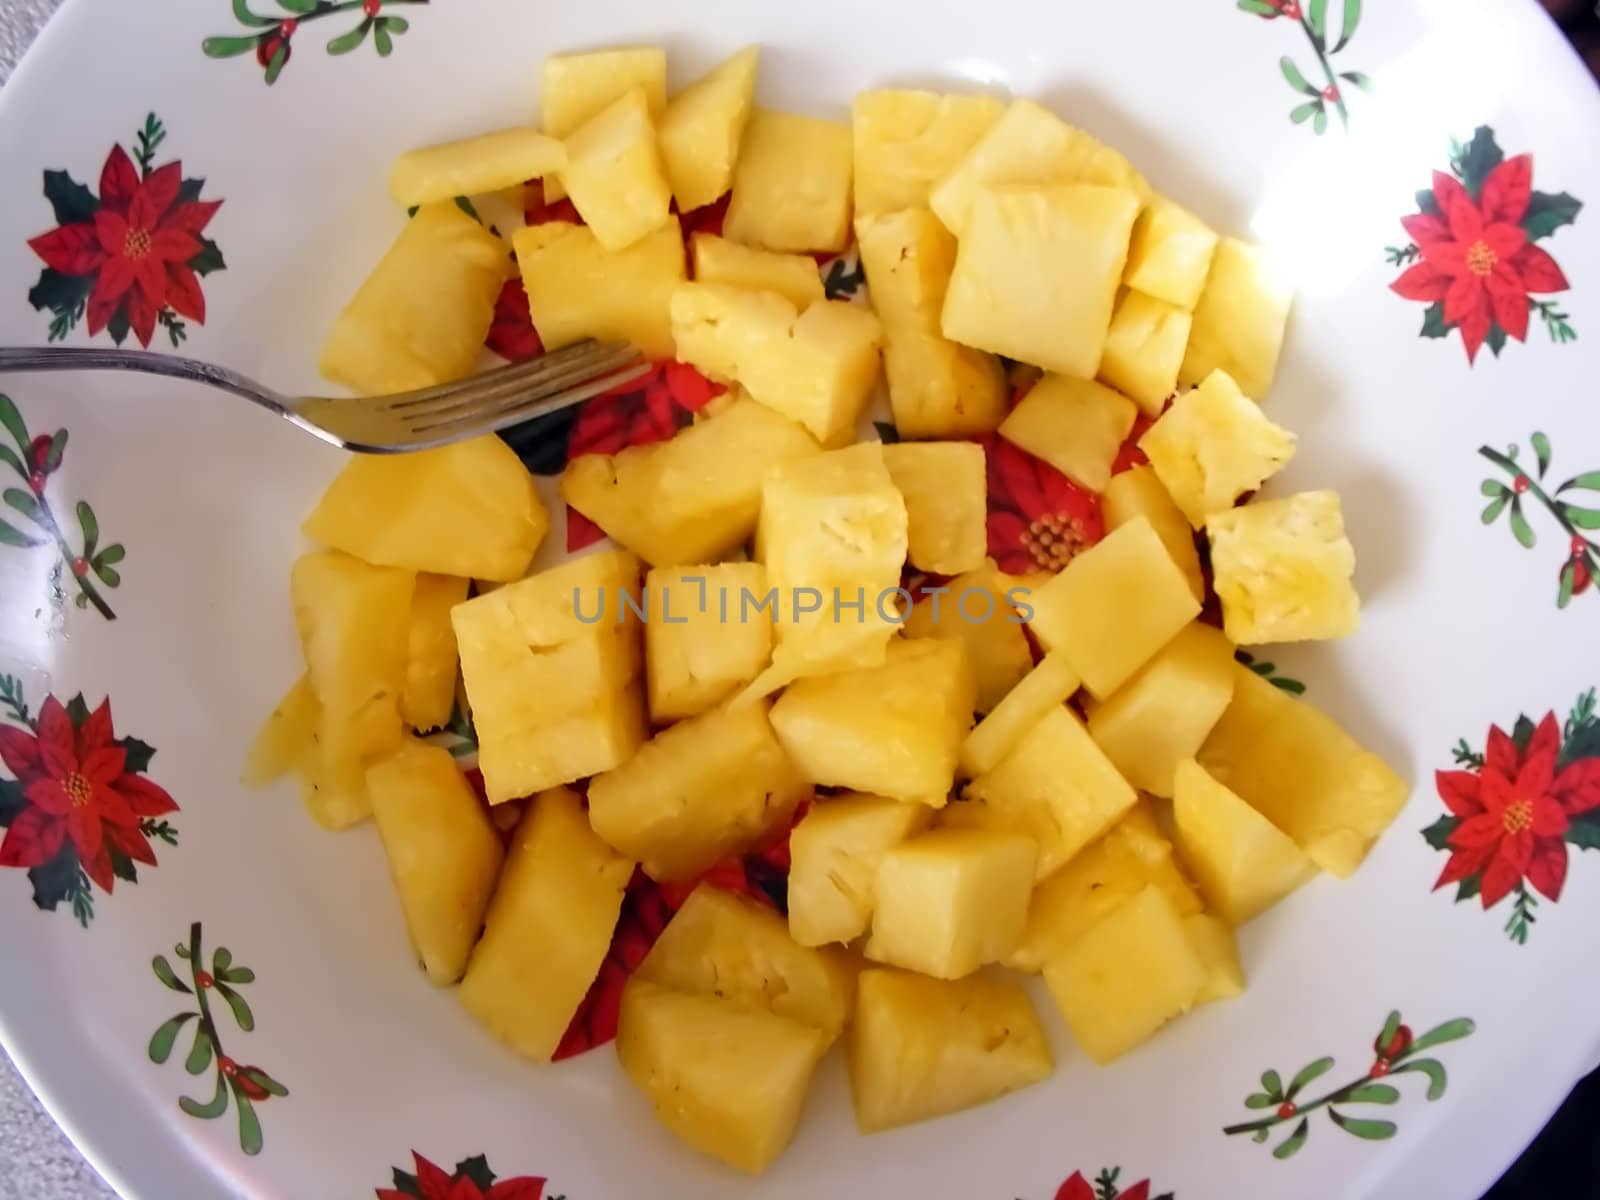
column 1477, row 258
column 138, row 246
column 646, row 410
column 435, row 1183
column 511, row 334
column 1078, row 1188
column 1514, row 812
column 1039, row 520
column 77, row 790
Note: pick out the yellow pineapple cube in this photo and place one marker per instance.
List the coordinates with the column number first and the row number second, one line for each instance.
column 1132, row 856
column 793, row 276
column 974, row 608
column 548, row 927
column 421, row 317
column 578, row 289
column 1284, row 570
column 951, row 900
column 1125, row 978
column 1029, row 144
column 579, row 86
column 1056, row 786
column 723, row 945
column 922, row 1048
column 1037, row 273
column 1114, row 607
column 832, row 534
column 893, row 729
column 834, row 853
column 693, row 498
column 432, row 661
column 937, row 388
column 1137, row 492
column 1164, row 713
column 1075, row 425
column 728, row 1081
column 817, row 367
column 1213, row 940
column 905, row 142
column 443, row 851
column 947, row 503
column 287, row 739
column 470, row 510
column 791, row 187
column 1171, row 254
column 1048, row 685
column 712, row 787
column 1214, row 445
column 702, row 127
column 473, row 166
column 1240, row 320
column 1243, row 863
column 1144, row 349
column 1299, row 769
column 698, row 648
column 551, row 670
column 614, row 173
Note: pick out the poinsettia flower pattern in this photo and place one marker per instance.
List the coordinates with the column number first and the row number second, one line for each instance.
column 1104, row 1187
column 471, row 1180
column 79, row 810
column 1039, row 520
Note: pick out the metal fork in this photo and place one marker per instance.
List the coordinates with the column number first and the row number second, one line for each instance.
column 417, row 420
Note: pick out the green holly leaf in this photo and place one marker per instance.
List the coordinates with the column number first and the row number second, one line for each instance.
column 241, row 1010
column 77, row 711
column 1469, row 888
column 242, row 14
column 119, row 326
column 1583, row 518
column 208, row 260
column 70, row 200
column 1317, row 22
column 1433, row 325
column 298, row 7
column 1478, row 158
column 1260, row 7
column 1541, row 450
column 10, row 535
column 1522, row 733
column 1295, row 78
column 347, row 42
column 1352, row 19
column 250, row 1140
column 1548, row 213
column 381, row 41
column 163, row 1039
column 476, row 1169
column 1272, row 1084
column 1567, row 585
column 1438, row 834
column 1432, row 1068
column 1290, row 1146
column 1449, row 1031
column 1319, row 123
column 1495, row 339
column 1259, row 1100
column 1427, row 204
column 137, row 755
column 1359, row 79
column 1308, row 1073
column 211, row 1110
column 1589, row 481
column 229, row 47
column 1520, row 529
column 1372, row 1131
column 199, row 1053
column 1492, row 512
column 167, row 975
column 275, row 65
column 1373, row 1093
column 257, row 1076
column 1493, row 488
column 11, row 418
column 1303, row 113
column 1585, row 835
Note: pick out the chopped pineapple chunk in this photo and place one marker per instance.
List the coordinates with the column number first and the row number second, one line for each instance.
column 1046, row 686
column 793, row 276
column 1305, row 774
column 907, row 141
column 1213, row 940
column 1114, row 607
column 1171, row 254
column 693, row 498
column 1144, row 349
column 474, row 166
column 287, row 739
column 817, row 367
column 1240, row 320
column 728, row 1081
column 1214, row 445
column 614, row 173
column 548, row 927
column 1133, row 855
column 1284, row 570
column 834, row 854
column 1037, row 273
column 937, row 388
column 1055, row 786
column 420, row 317
column 443, row 851
column 1243, row 863
column 1029, row 144
column 709, row 788
column 578, row 86
column 578, row 289
column 702, row 127
column 946, row 503
column 1164, row 713
column 951, row 900
column 923, row 1048
column 893, row 729
column 1126, row 977
column 974, row 607
column 791, row 187
column 723, row 945
column 1137, row 492
column 699, row 646
column 1075, row 425
column 432, row 662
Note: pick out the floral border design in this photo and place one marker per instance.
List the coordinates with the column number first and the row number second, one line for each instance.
column 271, row 39
column 1313, row 20
column 470, row 1180
column 1106, row 1187
column 1583, row 551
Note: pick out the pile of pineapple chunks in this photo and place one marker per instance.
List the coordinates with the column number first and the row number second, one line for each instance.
column 1129, row 793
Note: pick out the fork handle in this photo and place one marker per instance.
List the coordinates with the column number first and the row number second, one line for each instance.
column 148, row 362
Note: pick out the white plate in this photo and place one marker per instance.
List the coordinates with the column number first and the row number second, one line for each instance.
column 1462, row 630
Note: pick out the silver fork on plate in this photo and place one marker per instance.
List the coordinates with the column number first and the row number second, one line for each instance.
column 417, row 420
